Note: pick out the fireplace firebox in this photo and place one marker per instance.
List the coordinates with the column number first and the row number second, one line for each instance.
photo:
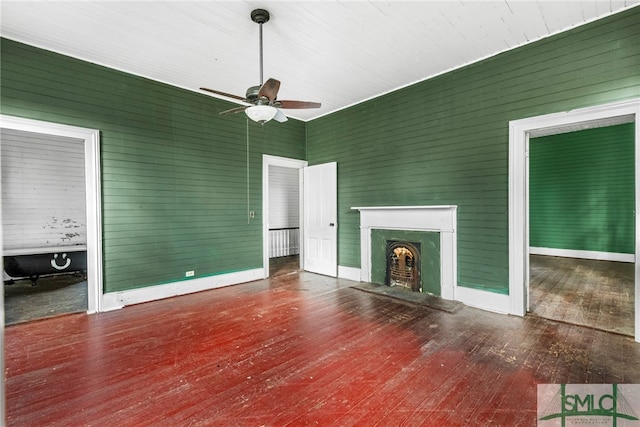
column 403, row 265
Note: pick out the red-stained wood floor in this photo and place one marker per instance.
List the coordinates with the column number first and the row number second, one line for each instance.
column 298, row 349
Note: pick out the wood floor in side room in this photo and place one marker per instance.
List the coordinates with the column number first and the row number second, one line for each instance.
column 284, row 265
column 50, row 296
column 294, row 350
column 598, row 294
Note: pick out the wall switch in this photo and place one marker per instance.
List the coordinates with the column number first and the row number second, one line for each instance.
column 189, row 273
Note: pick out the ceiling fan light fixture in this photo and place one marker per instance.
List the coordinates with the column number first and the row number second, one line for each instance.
column 261, row 113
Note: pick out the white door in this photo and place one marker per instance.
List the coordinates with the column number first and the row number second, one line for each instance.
column 320, row 219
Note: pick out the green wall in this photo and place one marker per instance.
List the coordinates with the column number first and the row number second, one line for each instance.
column 174, row 172
column 446, row 140
column 581, row 190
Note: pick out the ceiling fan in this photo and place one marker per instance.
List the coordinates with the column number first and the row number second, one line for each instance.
column 263, row 98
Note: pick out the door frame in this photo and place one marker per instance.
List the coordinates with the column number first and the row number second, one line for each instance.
column 285, row 162
column 519, row 133
column 93, row 197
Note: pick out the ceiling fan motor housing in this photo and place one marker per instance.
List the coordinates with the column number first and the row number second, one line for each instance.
column 252, row 93
column 260, row 16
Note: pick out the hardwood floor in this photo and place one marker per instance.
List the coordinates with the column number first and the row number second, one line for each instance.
column 298, row 349
column 51, row 296
column 284, row 265
column 598, row 294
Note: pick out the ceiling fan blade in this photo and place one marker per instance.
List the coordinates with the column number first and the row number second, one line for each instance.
column 228, row 95
column 269, row 89
column 280, row 117
column 298, row 104
column 233, row 111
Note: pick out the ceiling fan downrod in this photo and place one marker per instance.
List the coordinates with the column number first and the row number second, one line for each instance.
column 260, row 16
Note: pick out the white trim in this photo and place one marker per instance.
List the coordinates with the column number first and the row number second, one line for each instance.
column 91, row 139
column 120, row 299
column 2, row 314
column 441, row 219
column 484, row 300
column 519, row 132
column 349, row 273
column 267, row 161
column 405, row 208
column 574, row 253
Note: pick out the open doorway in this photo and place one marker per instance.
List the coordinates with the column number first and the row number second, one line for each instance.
column 282, row 209
column 44, row 224
column 521, row 131
column 581, row 236
column 50, row 240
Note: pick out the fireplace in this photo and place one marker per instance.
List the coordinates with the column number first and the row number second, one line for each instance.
column 403, row 265
column 441, row 219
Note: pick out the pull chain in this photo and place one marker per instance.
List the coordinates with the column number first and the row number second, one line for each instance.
column 248, row 203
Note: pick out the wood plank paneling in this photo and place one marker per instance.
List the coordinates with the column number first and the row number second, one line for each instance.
column 43, row 191
column 582, row 190
column 445, row 140
column 284, row 197
column 175, row 187
column 314, row 48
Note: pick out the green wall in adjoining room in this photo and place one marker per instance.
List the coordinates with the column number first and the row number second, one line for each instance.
column 581, row 190
column 445, row 141
column 174, row 172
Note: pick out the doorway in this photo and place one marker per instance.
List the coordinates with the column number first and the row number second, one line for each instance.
column 581, row 203
column 281, row 207
column 89, row 164
column 520, row 131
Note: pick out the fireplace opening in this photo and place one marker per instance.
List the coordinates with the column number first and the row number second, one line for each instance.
column 403, row 265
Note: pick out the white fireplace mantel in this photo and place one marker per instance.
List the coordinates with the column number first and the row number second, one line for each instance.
column 438, row 218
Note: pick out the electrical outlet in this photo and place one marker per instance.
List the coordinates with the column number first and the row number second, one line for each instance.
column 252, row 214
column 189, row 273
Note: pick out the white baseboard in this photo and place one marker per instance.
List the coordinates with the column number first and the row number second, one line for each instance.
column 349, row 273
column 485, row 300
column 116, row 300
column 572, row 253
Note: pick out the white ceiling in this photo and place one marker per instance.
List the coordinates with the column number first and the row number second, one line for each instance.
column 338, row 53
